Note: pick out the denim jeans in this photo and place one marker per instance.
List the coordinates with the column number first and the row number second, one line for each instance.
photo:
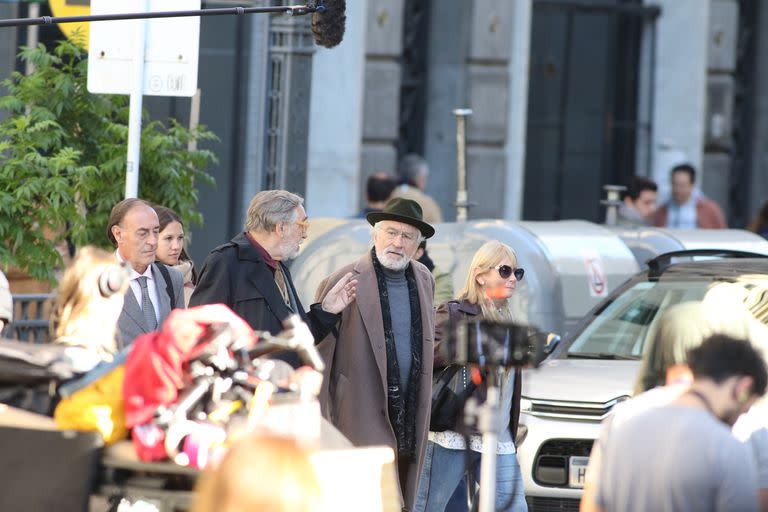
column 443, row 472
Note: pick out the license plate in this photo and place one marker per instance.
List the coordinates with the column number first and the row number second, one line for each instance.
column 577, row 470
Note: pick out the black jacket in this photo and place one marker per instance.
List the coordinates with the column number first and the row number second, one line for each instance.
column 447, row 317
column 235, row 274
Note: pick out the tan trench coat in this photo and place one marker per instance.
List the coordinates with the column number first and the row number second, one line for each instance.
column 354, row 394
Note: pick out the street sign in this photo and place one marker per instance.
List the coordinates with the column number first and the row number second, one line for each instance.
column 171, row 51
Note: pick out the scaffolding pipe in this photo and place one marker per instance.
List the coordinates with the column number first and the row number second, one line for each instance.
column 462, row 205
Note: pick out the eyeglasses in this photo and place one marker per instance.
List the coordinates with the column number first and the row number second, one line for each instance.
column 505, row 271
column 303, row 224
column 392, row 234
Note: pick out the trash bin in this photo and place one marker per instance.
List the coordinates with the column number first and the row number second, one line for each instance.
column 647, row 243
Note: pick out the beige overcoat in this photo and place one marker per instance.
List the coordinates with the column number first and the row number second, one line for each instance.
column 354, row 394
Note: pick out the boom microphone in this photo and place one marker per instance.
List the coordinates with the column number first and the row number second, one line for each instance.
column 328, row 22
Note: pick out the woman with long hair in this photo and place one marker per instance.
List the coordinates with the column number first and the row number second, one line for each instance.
column 487, row 294
column 88, row 305
column 171, row 250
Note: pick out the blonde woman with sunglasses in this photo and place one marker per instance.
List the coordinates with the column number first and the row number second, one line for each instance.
column 491, row 283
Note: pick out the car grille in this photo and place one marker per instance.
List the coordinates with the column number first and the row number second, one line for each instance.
column 550, row 468
column 573, row 410
column 567, row 447
column 536, row 504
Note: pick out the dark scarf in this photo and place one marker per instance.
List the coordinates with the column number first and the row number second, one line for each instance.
column 402, row 409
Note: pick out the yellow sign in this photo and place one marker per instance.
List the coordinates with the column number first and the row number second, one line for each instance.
column 76, row 32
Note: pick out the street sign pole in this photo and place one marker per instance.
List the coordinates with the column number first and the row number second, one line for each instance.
column 140, row 56
column 33, row 35
column 135, row 106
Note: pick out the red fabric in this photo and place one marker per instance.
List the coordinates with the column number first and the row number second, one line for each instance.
column 154, row 369
column 708, row 215
column 149, row 441
column 268, row 259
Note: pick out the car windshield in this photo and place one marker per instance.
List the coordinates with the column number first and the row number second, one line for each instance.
column 621, row 329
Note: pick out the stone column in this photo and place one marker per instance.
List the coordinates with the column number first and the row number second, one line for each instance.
column 517, row 119
column 680, row 86
column 336, row 121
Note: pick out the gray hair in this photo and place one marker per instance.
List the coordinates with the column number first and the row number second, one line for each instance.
column 412, row 166
column 269, row 208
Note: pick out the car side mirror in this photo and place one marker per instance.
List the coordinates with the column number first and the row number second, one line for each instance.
column 544, row 343
column 551, row 343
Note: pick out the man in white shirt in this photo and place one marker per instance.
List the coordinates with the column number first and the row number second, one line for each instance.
column 154, row 288
column 688, row 208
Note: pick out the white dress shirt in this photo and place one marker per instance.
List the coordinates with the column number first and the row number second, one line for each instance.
column 151, row 287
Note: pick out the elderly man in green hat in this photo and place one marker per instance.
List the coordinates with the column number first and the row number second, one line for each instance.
column 378, row 379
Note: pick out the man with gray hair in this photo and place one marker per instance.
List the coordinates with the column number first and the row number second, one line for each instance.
column 413, row 172
column 378, row 377
column 249, row 274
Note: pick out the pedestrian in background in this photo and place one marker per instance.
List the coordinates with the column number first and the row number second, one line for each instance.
column 689, row 208
column 638, row 205
column 378, row 190
column 413, row 173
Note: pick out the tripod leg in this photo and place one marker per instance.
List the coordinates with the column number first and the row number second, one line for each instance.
column 472, row 496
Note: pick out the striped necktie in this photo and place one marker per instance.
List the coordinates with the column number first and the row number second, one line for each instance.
column 146, row 304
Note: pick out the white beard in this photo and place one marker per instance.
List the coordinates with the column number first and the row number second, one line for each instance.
column 289, row 250
column 392, row 262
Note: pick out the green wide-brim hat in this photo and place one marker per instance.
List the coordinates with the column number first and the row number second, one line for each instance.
column 403, row 210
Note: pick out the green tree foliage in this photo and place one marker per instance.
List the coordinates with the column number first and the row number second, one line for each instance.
column 63, row 159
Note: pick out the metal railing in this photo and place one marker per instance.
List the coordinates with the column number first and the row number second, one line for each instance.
column 31, row 313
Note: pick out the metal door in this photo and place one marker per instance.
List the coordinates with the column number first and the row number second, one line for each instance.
column 588, row 105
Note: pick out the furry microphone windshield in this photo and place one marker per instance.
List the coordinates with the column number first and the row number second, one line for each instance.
column 328, row 24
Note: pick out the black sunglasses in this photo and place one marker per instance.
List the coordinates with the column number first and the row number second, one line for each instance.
column 505, row 271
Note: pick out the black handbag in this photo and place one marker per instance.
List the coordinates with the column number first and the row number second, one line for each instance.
column 451, row 388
